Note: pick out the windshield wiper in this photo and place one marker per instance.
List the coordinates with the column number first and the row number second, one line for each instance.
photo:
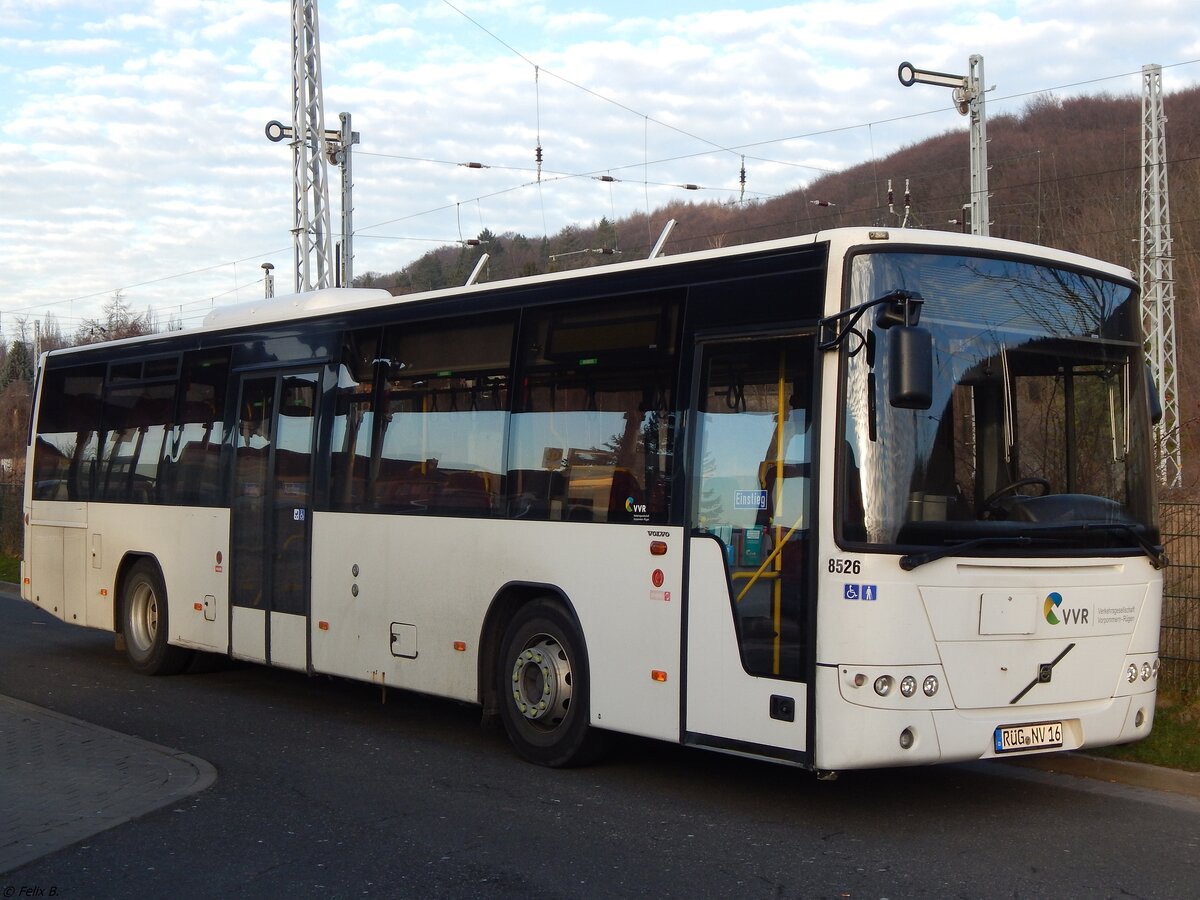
column 1158, row 558
column 910, row 561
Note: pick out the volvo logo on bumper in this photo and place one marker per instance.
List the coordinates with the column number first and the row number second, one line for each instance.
column 1045, row 673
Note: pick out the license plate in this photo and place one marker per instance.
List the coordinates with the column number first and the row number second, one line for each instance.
column 1042, row 736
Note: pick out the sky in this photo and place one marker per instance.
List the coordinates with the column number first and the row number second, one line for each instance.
column 133, row 155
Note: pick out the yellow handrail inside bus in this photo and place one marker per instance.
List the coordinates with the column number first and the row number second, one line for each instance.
column 781, row 538
column 770, row 559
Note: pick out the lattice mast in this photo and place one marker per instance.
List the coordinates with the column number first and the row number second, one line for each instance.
column 1157, row 274
column 310, row 185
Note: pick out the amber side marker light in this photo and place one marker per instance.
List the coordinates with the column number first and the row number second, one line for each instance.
column 324, row 626
column 658, row 548
column 460, row 646
column 658, row 674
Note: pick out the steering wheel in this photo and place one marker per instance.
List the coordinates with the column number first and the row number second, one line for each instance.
column 990, row 503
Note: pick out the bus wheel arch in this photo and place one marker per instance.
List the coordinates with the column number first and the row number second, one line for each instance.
column 143, row 619
column 533, row 644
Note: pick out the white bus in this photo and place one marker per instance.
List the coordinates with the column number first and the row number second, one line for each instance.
column 861, row 498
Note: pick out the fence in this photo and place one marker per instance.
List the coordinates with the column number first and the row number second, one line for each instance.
column 1179, row 643
column 1179, row 646
column 11, row 533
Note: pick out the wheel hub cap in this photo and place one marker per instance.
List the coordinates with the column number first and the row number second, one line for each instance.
column 541, row 681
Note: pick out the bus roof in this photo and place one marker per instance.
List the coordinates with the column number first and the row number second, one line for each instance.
column 289, row 307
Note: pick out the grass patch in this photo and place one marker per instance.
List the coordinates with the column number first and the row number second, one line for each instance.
column 1174, row 742
column 10, row 569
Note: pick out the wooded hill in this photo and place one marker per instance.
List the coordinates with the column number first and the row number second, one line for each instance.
column 1064, row 174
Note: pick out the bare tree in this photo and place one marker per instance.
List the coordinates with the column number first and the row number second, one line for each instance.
column 116, row 321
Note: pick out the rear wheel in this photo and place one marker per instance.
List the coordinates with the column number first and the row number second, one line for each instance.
column 144, row 623
column 543, row 684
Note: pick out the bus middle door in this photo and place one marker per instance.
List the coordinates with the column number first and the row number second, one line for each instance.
column 271, row 513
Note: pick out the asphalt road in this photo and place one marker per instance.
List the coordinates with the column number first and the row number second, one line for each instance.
column 325, row 791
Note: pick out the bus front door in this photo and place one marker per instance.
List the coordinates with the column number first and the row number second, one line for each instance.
column 748, row 628
column 271, row 513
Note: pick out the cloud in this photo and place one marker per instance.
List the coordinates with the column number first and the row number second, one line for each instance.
column 134, row 145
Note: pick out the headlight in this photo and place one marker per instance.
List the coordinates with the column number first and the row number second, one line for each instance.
column 930, row 685
column 1131, row 673
column 883, row 685
column 908, row 685
column 1145, row 671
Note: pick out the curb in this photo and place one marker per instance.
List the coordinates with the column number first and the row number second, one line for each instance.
column 1116, row 771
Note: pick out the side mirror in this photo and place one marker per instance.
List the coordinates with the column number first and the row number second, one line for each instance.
column 1153, row 398
column 910, row 367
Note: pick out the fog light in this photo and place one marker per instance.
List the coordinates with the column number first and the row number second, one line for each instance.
column 1154, row 670
column 883, row 685
column 908, row 685
column 930, row 685
column 907, row 739
column 1131, row 673
column 1140, row 719
column 1145, row 671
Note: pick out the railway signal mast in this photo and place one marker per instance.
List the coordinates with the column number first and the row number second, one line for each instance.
column 968, row 100
column 312, row 147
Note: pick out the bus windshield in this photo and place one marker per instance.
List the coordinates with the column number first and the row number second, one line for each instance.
column 1039, row 427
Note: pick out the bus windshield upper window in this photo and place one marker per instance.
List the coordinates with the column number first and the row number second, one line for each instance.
column 1039, row 418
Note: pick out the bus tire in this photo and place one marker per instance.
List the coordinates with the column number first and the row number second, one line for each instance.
column 144, row 623
column 543, row 684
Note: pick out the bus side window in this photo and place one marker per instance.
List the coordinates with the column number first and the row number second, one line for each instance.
column 66, row 442
column 442, row 418
column 134, row 429
column 354, row 421
column 592, row 431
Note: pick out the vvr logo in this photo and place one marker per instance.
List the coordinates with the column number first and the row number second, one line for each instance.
column 632, row 507
column 1052, row 608
column 1053, row 602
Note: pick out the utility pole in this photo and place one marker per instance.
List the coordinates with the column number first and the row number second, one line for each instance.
column 969, row 100
column 1157, row 274
column 312, row 146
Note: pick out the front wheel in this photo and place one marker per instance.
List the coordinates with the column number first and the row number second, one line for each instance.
column 144, row 623
column 542, row 680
